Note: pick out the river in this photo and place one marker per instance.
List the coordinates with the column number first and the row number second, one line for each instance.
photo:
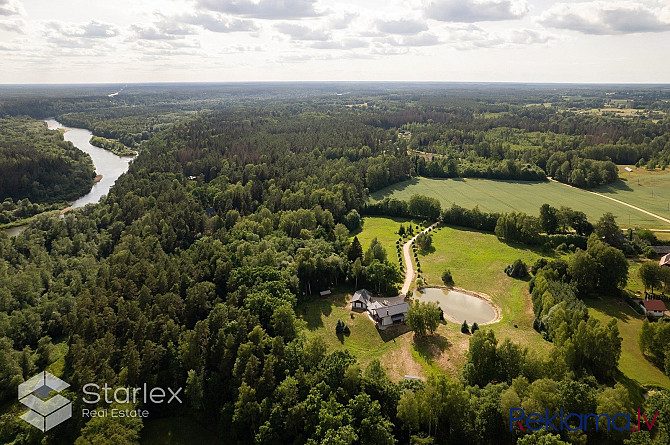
column 106, row 163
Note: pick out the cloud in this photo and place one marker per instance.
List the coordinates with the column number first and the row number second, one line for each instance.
column 299, row 32
column 340, row 44
column 264, row 9
column 12, row 26
column 9, row 7
column 219, row 23
column 403, row 26
column 470, row 11
column 342, row 21
column 423, row 39
column 607, row 18
column 154, row 32
column 91, row 30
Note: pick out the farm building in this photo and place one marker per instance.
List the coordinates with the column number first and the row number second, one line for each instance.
column 361, row 299
column 653, row 308
column 665, row 260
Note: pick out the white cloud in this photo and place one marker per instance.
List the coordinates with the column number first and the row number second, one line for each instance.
column 264, row 9
column 340, row 44
column 218, row 23
column 12, row 25
column 91, row 30
column 423, row 39
column 300, row 32
column 470, row 11
column 343, row 20
column 402, row 26
column 9, row 7
column 605, row 18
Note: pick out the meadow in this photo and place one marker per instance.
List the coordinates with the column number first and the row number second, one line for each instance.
column 649, row 190
column 507, row 196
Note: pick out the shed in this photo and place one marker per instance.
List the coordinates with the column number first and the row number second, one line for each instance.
column 325, row 293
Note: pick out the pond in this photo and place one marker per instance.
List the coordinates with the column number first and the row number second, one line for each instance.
column 457, row 305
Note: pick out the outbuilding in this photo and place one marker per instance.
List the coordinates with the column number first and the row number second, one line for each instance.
column 653, row 308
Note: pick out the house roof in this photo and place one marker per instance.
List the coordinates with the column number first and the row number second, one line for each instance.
column 363, row 295
column 665, row 260
column 390, row 311
column 654, row 305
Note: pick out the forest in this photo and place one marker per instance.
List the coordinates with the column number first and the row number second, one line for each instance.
column 37, row 164
column 194, row 283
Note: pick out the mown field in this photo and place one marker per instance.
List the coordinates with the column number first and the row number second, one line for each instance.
column 649, row 190
column 507, row 196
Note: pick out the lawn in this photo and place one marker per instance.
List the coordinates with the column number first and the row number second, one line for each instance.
column 507, row 196
column 385, row 229
column 632, row 363
column 477, row 261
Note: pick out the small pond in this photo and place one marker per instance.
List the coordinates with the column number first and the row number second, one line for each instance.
column 458, row 305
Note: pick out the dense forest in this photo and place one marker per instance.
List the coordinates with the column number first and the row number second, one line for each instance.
column 193, row 283
column 37, row 164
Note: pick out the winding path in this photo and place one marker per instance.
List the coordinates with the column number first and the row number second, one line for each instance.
column 666, row 220
column 410, row 273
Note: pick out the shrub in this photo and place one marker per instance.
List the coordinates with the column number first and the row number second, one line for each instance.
column 465, row 328
column 539, row 264
column 474, row 328
column 518, row 269
column 447, row 279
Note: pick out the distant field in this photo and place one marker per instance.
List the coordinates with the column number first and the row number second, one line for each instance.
column 642, row 188
column 507, row 196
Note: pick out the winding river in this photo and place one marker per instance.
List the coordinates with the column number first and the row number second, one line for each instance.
column 106, row 163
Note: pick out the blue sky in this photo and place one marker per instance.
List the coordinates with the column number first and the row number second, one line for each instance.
column 69, row 41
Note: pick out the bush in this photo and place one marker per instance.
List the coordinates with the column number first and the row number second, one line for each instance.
column 539, row 264
column 465, row 328
column 346, row 330
column 475, row 327
column 518, row 269
column 447, row 279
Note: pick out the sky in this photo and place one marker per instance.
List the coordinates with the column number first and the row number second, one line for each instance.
column 121, row 41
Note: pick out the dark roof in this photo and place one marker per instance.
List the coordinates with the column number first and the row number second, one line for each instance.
column 661, row 250
column 362, row 295
column 390, row 311
column 654, row 305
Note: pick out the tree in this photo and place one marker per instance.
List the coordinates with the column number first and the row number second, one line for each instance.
column 465, row 329
column 423, row 318
column 447, row 279
column 356, row 270
column 650, row 274
column 355, row 250
column 549, row 219
column 518, row 269
column 401, row 230
column 541, row 438
column 421, row 206
column 352, row 220
column 194, row 390
column 608, row 230
column 424, row 241
column 474, row 328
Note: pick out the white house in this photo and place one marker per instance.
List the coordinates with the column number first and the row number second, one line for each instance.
column 383, row 313
column 653, row 308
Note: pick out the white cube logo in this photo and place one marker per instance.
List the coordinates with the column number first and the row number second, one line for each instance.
column 45, row 412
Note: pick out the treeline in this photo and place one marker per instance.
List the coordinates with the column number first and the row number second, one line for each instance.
column 37, row 164
column 485, row 168
column 11, row 211
column 115, row 147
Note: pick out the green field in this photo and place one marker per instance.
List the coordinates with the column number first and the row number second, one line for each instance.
column 649, row 190
column 632, row 363
column 506, row 196
column 477, row 261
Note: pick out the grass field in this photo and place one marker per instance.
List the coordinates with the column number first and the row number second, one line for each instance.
column 477, row 261
column 649, row 190
column 507, row 196
column 632, row 363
